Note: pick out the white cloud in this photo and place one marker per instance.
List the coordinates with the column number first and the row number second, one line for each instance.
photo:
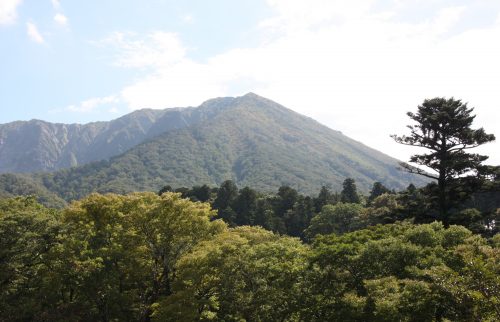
column 447, row 18
column 92, row 104
column 157, row 49
column 295, row 15
column 33, row 33
column 355, row 68
column 56, row 4
column 8, row 11
column 188, row 18
column 61, row 19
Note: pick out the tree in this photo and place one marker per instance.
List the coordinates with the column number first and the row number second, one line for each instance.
column 226, row 194
column 378, row 189
column 264, row 214
column 444, row 128
column 118, row 253
column 244, row 274
column 349, row 192
column 299, row 217
column 245, row 205
column 28, row 233
column 339, row 219
column 200, row 193
column 384, row 209
column 325, row 197
column 286, row 198
column 167, row 188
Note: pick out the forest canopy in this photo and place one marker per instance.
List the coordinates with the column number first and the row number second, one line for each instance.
column 145, row 256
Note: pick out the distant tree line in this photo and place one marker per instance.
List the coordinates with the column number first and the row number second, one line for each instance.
column 294, row 214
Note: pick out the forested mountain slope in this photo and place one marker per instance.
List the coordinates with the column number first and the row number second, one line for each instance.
column 34, row 146
column 250, row 140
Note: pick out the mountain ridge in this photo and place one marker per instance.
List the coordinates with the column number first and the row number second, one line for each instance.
column 50, row 146
column 249, row 139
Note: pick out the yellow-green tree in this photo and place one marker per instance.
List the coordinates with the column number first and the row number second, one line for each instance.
column 28, row 233
column 119, row 252
column 245, row 274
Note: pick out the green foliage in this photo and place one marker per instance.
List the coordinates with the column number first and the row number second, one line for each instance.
column 110, row 258
column 12, row 185
column 245, row 205
column 325, row 197
column 123, row 240
column 378, row 189
column 289, row 212
column 349, row 193
column 245, row 274
column 473, row 283
column 226, row 194
column 443, row 127
column 339, row 219
column 28, row 233
column 400, row 300
column 250, row 140
column 385, row 209
column 405, row 273
column 142, row 256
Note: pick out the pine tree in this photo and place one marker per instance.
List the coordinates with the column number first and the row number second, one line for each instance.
column 349, row 192
column 444, row 129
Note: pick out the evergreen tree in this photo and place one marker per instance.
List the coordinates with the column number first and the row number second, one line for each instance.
column 298, row 218
column 166, row 188
column 349, row 192
column 226, row 194
column 264, row 214
column 287, row 197
column 444, row 128
column 377, row 190
column 200, row 193
column 245, row 205
column 325, row 197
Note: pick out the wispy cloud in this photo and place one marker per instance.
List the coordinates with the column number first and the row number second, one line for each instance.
column 33, row 33
column 94, row 103
column 56, row 4
column 188, row 18
column 156, row 49
column 8, row 11
column 61, row 19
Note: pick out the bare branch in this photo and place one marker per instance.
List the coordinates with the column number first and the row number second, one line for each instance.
column 412, row 169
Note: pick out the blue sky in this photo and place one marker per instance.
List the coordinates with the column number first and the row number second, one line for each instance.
column 71, row 62
column 356, row 66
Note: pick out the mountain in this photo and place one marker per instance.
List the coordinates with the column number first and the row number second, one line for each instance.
column 36, row 145
column 249, row 139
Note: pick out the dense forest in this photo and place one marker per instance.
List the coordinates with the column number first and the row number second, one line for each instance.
column 229, row 254
column 291, row 213
column 142, row 257
column 225, row 253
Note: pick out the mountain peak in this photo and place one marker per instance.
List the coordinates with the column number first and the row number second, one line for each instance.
column 250, row 139
column 251, row 95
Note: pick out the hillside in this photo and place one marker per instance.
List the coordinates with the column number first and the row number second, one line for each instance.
column 35, row 146
column 248, row 139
